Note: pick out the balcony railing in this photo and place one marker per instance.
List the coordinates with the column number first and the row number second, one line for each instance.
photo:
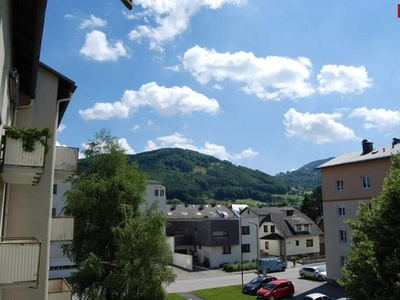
column 59, row 289
column 62, row 230
column 19, row 262
column 66, row 164
column 20, row 166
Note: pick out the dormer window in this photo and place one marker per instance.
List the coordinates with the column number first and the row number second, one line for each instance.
column 298, row 227
column 307, row 227
column 159, row 191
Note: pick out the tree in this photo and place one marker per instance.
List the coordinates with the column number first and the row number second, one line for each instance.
column 120, row 251
column 312, row 204
column 372, row 269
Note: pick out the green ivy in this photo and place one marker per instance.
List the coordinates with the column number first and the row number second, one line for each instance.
column 29, row 135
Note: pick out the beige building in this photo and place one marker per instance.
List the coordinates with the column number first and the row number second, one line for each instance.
column 347, row 180
column 31, row 95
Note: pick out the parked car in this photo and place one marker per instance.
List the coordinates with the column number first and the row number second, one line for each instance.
column 317, row 296
column 254, row 285
column 313, row 273
column 276, row 289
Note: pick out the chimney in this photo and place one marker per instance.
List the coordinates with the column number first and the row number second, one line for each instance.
column 201, row 207
column 173, row 206
column 395, row 142
column 186, row 204
column 213, row 205
column 367, row 146
column 289, row 212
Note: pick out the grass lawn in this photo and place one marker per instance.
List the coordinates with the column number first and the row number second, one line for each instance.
column 233, row 292
column 174, row 296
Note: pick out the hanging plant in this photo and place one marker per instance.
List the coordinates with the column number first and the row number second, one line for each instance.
column 29, row 136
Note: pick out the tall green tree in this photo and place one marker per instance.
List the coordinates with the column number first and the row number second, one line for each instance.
column 121, row 252
column 373, row 267
column 312, row 204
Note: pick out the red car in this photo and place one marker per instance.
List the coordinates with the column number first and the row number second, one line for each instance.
column 275, row 289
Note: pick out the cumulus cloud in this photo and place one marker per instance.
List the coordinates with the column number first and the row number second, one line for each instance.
column 178, row 140
column 271, row 77
column 68, row 16
column 60, row 145
column 135, row 128
column 97, row 48
column 93, row 22
column 125, row 145
column 217, row 87
column 343, row 79
column 61, row 128
column 170, row 18
column 317, row 128
column 165, row 101
column 380, row 119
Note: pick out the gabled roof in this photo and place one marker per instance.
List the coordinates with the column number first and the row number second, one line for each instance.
column 198, row 211
column 285, row 220
column 357, row 156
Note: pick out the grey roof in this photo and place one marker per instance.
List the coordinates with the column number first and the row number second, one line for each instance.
column 198, row 211
column 286, row 223
column 356, row 157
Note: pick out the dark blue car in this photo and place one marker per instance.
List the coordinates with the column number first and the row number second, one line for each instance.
column 253, row 286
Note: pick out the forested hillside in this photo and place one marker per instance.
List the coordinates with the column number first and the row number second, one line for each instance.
column 193, row 177
column 305, row 178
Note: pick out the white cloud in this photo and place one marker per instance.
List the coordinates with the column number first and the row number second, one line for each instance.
column 61, row 128
column 178, row 140
column 171, row 18
column 175, row 68
column 217, row 87
column 124, row 144
column 68, row 16
column 318, row 128
column 166, row 101
column 135, row 128
column 62, row 145
column 150, row 123
column 272, row 77
column 93, row 22
column 97, row 48
column 343, row 79
column 380, row 119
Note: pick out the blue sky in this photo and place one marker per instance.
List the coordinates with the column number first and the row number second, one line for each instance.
column 266, row 84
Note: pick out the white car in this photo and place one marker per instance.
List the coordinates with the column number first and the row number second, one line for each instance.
column 313, row 273
column 317, row 296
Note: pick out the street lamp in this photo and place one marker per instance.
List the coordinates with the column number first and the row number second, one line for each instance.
column 258, row 245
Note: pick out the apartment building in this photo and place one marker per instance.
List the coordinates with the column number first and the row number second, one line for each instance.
column 346, row 181
column 31, row 95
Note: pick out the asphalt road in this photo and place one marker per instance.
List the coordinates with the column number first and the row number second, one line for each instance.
column 187, row 281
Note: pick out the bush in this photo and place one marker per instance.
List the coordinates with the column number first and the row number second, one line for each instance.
column 236, row 266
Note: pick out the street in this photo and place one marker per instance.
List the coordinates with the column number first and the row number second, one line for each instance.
column 188, row 281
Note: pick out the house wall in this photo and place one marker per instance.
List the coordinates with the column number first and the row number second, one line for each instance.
column 217, row 257
column 151, row 198
column 349, row 198
column 29, row 211
column 250, row 239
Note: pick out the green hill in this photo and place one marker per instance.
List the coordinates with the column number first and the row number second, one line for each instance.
column 193, row 177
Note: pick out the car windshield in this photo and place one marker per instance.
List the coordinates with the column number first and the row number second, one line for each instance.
column 269, row 286
column 321, row 270
column 256, row 280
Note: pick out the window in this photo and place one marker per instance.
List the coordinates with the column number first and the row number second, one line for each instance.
column 266, row 245
column 53, row 212
column 220, row 233
column 265, row 228
column 339, row 185
column 341, row 211
column 298, row 227
column 307, row 227
column 365, row 182
column 156, row 192
column 178, row 229
column 246, row 248
column 226, row 249
column 159, row 191
column 54, row 189
column 272, row 228
column 342, row 236
column 297, row 243
column 245, row 230
column 309, row 243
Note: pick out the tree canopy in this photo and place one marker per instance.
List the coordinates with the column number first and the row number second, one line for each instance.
column 312, row 204
column 120, row 251
column 373, row 267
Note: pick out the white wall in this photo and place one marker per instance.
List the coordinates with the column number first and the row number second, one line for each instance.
column 183, row 260
column 250, row 238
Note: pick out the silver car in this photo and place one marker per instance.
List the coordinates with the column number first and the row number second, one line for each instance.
column 313, row 273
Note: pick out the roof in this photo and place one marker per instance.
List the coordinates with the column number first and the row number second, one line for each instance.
column 198, row 211
column 238, row 207
column 357, row 157
column 285, row 220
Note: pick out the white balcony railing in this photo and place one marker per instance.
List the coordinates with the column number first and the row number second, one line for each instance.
column 19, row 262
column 22, row 167
column 66, row 163
column 62, row 230
column 59, row 289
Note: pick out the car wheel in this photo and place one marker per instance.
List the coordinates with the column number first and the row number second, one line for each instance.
column 320, row 278
column 272, row 298
column 303, row 276
column 283, row 269
column 268, row 270
column 291, row 295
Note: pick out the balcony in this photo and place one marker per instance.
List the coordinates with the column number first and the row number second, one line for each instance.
column 62, row 230
column 20, row 166
column 19, row 261
column 59, row 289
column 66, row 164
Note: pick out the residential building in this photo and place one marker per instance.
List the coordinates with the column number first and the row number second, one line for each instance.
column 208, row 232
column 346, row 181
column 31, row 95
column 282, row 231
